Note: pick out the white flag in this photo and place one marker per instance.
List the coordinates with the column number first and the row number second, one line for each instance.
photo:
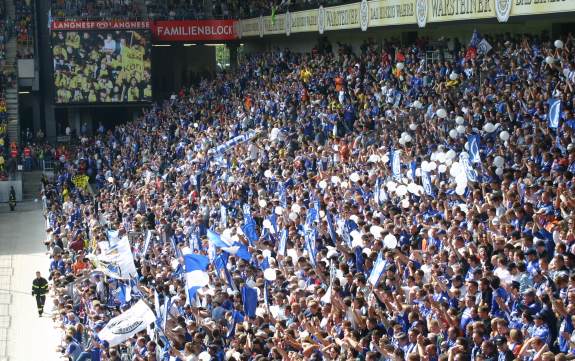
column 117, row 260
column 126, row 325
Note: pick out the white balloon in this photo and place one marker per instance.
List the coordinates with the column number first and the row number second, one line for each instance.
column 335, row 179
column 499, row 171
column 401, row 190
column 405, row 203
column 431, row 166
column 111, row 179
column 453, row 133
column 268, row 173
column 442, row 168
column 390, row 241
column 558, row 44
column 205, row 356
column 498, row 161
column 262, row 203
column 442, row 113
column 461, row 179
column 295, row 208
column 459, row 120
column 376, row 231
column 267, row 224
column 455, row 169
column 344, row 184
column 391, row 186
column 323, row 184
column 270, row 274
column 460, row 129
column 448, row 162
column 413, row 126
column 441, row 157
column 407, row 138
column 418, row 172
column 354, row 177
column 279, row 210
column 489, row 127
column 373, row 158
column 504, row 135
column 451, row 154
column 424, row 166
column 549, row 60
column 404, row 134
column 292, row 216
column 412, row 188
column 402, row 141
column 400, row 66
column 460, row 190
column 417, row 104
column 453, row 76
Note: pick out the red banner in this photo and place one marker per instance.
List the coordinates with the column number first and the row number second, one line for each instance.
column 195, row 30
column 100, row 25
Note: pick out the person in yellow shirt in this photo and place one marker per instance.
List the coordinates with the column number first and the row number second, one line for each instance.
column 305, row 74
column 73, row 40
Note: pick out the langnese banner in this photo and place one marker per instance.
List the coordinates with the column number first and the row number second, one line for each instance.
column 195, row 30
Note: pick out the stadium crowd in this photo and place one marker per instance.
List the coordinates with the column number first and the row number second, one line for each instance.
column 24, row 28
column 371, row 206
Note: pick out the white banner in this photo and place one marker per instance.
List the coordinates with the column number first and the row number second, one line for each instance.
column 116, row 259
column 126, row 325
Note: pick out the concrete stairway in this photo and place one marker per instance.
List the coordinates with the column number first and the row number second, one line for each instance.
column 12, row 92
column 31, row 185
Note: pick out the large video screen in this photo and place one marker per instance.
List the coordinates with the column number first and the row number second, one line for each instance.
column 102, row 66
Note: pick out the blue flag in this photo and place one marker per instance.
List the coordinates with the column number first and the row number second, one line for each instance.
column 473, row 141
column 250, row 300
column 215, row 239
column 395, row 164
column 466, row 163
column 554, row 113
column 331, row 228
column 195, row 262
column 427, row 187
column 377, row 270
column 282, row 243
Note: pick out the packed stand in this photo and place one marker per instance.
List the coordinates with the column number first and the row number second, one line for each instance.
column 329, row 206
column 254, row 8
column 24, row 28
column 96, row 9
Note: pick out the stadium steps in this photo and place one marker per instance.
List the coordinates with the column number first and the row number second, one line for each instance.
column 10, row 8
column 12, row 106
column 31, row 185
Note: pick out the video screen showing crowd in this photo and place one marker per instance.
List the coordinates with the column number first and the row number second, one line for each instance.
column 102, row 66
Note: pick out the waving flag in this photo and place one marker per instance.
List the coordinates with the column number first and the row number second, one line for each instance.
column 395, row 163
column 554, row 113
column 283, row 195
column 427, row 187
column 483, row 47
column 250, row 300
column 282, row 243
column 216, row 240
column 377, row 270
column 473, row 141
column 127, row 324
column 466, row 163
column 310, row 245
column 223, row 216
column 147, row 242
column 195, row 266
column 331, row 228
column 249, row 227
